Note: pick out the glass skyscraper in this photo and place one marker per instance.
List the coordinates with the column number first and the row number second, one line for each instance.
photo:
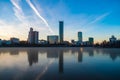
column 61, row 32
column 80, row 36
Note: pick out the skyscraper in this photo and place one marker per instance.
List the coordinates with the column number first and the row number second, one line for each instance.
column 30, row 36
column 91, row 40
column 36, row 37
column 61, row 32
column 80, row 36
column 33, row 36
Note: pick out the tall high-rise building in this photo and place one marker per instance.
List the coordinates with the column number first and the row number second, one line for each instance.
column 91, row 40
column 80, row 36
column 61, row 31
column 36, row 37
column 30, row 36
column 33, row 36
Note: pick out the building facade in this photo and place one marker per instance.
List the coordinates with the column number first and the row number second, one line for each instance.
column 33, row 36
column 6, row 42
column 61, row 31
column 0, row 42
column 80, row 36
column 52, row 39
column 91, row 40
column 14, row 40
column 113, row 39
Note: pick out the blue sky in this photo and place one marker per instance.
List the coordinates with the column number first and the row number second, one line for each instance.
column 95, row 18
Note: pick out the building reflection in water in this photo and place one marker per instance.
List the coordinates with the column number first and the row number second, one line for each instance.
column 52, row 53
column 14, row 52
column 32, row 56
column 80, row 54
column 91, row 52
column 61, row 62
column 113, row 53
column 59, row 53
column 56, row 53
column 113, row 57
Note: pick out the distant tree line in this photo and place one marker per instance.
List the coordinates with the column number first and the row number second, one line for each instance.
column 108, row 44
column 104, row 44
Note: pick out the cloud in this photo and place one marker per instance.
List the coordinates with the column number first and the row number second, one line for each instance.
column 8, row 30
column 38, row 14
column 24, row 22
column 73, row 22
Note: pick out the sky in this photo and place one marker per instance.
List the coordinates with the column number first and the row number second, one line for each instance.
column 95, row 18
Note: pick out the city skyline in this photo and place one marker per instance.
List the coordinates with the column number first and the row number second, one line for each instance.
column 98, row 21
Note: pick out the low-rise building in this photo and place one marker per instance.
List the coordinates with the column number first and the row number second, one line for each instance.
column 43, row 42
column 113, row 39
column 14, row 40
column 6, row 42
column 52, row 39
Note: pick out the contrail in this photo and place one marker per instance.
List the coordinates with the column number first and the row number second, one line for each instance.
column 18, row 10
column 99, row 18
column 38, row 14
column 19, row 13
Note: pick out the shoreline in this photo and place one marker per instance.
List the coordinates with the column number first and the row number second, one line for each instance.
column 55, row 47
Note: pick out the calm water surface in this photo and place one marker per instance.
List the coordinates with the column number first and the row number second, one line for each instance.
column 59, row 64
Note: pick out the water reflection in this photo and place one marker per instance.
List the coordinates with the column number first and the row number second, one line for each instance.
column 32, row 56
column 51, row 53
column 80, row 55
column 60, row 62
column 59, row 53
column 113, row 53
column 14, row 52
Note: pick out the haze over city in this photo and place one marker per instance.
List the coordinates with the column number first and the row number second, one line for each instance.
column 96, row 18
